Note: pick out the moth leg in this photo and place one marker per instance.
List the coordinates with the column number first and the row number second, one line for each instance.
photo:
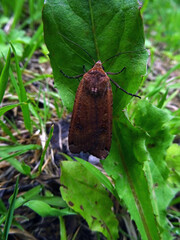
column 133, row 95
column 73, row 77
column 84, row 69
column 110, row 73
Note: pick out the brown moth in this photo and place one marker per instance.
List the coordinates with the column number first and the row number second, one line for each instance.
column 91, row 122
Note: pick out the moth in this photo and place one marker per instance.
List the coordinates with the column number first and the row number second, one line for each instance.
column 91, row 123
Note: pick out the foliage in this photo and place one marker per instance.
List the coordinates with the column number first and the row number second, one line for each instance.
column 89, row 198
column 70, row 43
column 163, row 23
column 47, row 205
column 143, row 165
column 18, row 36
column 13, row 151
column 10, row 212
column 140, row 176
column 4, row 77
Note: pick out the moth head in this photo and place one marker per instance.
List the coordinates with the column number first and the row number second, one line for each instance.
column 98, row 64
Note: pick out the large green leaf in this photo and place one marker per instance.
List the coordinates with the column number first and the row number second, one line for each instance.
column 156, row 124
column 137, row 165
column 103, row 28
column 85, row 194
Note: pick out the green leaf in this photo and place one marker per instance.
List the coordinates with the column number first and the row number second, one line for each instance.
column 22, row 94
column 103, row 29
column 155, row 123
column 21, row 167
column 17, row 12
column 12, row 155
column 28, row 196
column 63, row 234
column 33, row 43
column 44, row 210
column 54, row 201
column 85, row 194
column 14, row 82
column 45, row 149
column 99, row 175
column 10, row 212
column 17, row 151
column 4, row 76
column 33, row 194
column 136, row 164
column 173, row 162
column 7, row 131
column 3, row 209
column 14, row 148
column 9, row 107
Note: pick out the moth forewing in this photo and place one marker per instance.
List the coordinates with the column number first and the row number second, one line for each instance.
column 91, row 123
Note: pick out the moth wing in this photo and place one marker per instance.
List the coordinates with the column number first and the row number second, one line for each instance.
column 91, row 123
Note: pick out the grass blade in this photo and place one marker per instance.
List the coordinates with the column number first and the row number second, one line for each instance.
column 33, row 44
column 45, row 149
column 7, row 108
column 62, row 228
column 14, row 82
column 7, row 131
column 17, row 12
column 22, row 96
column 4, row 76
column 10, row 212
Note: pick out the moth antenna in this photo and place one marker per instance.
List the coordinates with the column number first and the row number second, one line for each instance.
column 71, row 77
column 110, row 73
column 133, row 95
column 78, row 46
column 116, row 55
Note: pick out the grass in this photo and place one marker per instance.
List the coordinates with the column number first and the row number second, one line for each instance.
column 10, row 212
column 30, row 104
column 163, row 23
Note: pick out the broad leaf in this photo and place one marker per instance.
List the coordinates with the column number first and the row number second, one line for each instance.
column 74, row 31
column 103, row 29
column 85, row 194
column 137, row 165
